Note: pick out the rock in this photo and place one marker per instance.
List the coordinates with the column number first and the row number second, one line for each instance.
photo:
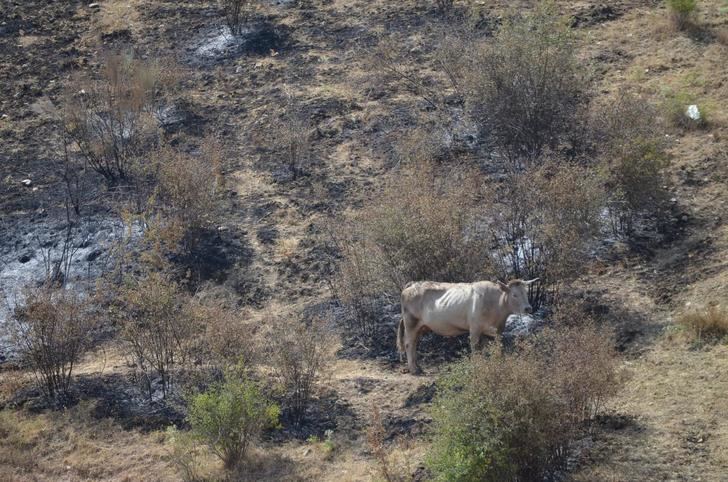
column 94, row 6
column 693, row 112
column 26, row 182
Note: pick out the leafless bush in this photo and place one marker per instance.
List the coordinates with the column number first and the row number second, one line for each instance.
column 376, row 434
column 421, row 227
column 514, row 416
column 633, row 156
column 299, row 355
column 158, row 327
column 543, row 222
column 53, row 329
column 237, row 14
column 111, row 120
column 290, row 137
column 526, row 87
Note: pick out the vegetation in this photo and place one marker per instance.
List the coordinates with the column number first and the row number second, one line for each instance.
column 514, row 416
column 708, row 325
column 422, row 226
column 300, row 355
column 157, row 327
column 526, row 87
column 229, row 417
column 237, row 14
column 681, row 12
column 53, row 329
column 111, row 120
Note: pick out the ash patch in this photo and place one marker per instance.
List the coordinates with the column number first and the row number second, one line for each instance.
column 218, row 44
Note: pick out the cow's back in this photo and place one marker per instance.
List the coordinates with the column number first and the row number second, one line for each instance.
column 443, row 307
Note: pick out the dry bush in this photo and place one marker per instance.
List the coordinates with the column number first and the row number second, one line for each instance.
column 514, row 416
column 227, row 340
column 526, row 88
column 707, row 325
column 53, row 330
column 682, row 12
column 238, row 13
column 543, row 223
column 633, row 156
column 376, row 434
column 300, row 355
column 675, row 107
column 112, row 120
column 158, row 327
column 421, row 227
column 291, row 138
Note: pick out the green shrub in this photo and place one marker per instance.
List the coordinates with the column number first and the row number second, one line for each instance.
column 230, row 416
column 514, row 416
column 675, row 108
column 681, row 12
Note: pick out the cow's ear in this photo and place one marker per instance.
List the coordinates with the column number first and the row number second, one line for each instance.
column 503, row 286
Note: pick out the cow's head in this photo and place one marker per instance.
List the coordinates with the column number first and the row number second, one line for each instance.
column 517, row 295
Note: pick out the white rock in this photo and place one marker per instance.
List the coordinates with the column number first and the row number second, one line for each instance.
column 94, row 5
column 693, row 112
column 26, row 182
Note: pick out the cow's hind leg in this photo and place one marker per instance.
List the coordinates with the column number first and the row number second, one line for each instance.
column 411, row 337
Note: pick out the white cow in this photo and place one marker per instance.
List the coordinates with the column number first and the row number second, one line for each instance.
column 451, row 309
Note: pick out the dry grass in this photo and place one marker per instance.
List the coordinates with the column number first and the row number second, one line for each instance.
column 706, row 325
column 75, row 446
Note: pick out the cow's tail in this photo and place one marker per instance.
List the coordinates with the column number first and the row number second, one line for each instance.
column 400, row 338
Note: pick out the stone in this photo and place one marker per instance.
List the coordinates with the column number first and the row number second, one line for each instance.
column 26, row 182
column 693, row 112
column 94, row 5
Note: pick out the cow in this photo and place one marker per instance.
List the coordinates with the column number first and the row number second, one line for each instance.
column 451, row 309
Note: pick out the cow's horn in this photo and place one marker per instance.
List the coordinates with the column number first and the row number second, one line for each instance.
column 531, row 281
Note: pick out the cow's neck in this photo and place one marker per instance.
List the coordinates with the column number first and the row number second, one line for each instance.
column 505, row 310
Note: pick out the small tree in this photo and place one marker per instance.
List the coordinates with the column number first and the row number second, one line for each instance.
column 229, row 417
column 53, row 330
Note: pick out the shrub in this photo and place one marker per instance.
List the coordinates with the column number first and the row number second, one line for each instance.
column 237, row 13
column 299, row 355
column 526, row 87
column 707, row 325
column 53, row 330
column 227, row 340
column 291, row 138
column 375, row 439
column 681, row 12
column 230, row 416
column 513, row 416
column 158, row 327
column 111, row 120
column 542, row 224
column 633, row 159
column 421, row 227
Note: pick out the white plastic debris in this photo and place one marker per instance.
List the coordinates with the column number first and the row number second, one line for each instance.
column 26, row 182
column 693, row 112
